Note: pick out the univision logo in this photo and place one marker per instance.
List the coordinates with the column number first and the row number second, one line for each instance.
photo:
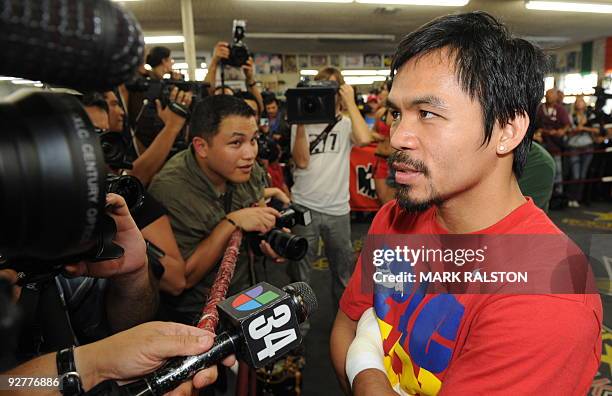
column 253, row 299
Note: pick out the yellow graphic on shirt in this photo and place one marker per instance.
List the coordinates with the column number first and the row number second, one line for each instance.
column 426, row 384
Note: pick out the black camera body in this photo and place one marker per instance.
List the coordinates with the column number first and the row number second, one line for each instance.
column 160, row 89
column 292, row 216
column 239, row 52
column 292, row 247
column 267, row 148
column 312, row 102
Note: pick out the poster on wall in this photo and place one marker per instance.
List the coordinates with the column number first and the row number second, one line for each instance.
column 335, row 60
column 317, row 61
column 353, row 60
column 572, row 61
column 276, row 63
column 387, row 60
column 290, row 64
column 262, row 64
column 303, row 61
column 372, row 60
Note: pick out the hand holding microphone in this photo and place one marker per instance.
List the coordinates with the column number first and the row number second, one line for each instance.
column 263, row 326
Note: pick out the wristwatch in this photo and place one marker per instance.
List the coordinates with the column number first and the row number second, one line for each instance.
column 69, row 378
column 251, row 85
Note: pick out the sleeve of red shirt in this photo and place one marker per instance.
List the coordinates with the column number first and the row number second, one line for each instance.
column 355, row 300
column 536, row 345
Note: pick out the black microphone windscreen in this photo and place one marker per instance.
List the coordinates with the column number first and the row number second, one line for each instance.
column 304, row 293
column 89, row 45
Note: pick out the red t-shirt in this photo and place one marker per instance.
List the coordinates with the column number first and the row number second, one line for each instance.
column 381, row 170
column 276, row 174
column 464, row 344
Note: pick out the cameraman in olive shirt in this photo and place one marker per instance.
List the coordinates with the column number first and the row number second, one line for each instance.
column 209, row 190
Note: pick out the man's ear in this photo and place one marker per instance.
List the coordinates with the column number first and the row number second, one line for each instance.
column 201, row 147
column 512, row 133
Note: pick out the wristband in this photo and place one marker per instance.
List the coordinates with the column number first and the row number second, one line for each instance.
column 251, row 85
column 232, row 222
column 70, row 380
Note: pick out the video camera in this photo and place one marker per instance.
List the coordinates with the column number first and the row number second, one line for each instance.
column 312, row 102
column 160, row 89
column 292, row 247
column 239, row 53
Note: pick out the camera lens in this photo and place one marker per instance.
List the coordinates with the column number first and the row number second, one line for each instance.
column 310, row 104
column 114, row 148
column 52, row 177
column 292, row 247
column 129, row 187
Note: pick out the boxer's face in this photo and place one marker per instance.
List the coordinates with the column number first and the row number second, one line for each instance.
column 438, row 132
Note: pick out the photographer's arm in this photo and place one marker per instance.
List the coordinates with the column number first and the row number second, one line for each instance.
column 251, row 84
column 160, row 234
column 301, row 148
column 360, row 135
column 220, row 52
column 146, row 166
column 131, row 296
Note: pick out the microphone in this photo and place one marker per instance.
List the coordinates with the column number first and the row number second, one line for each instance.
column 264, row 326
column 81, row 44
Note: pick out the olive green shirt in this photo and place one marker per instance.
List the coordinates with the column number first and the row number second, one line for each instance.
column 195, row 208
column 538, row 176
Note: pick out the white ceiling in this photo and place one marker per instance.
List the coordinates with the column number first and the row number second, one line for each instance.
column 213, row 22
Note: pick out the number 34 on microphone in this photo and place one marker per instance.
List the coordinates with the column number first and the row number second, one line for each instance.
column 267, row 317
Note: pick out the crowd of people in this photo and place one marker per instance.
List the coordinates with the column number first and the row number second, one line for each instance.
column 206, row 175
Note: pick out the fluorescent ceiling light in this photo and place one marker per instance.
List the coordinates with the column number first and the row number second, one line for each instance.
column 307, row 1
column 569, row 7
column 7, row 78
column 323, row 36
column 358, row 72
column 180, row 65
column 363, row 80
column 307, row 72
column 444, row 3
column 24, row 82
column 164, row 39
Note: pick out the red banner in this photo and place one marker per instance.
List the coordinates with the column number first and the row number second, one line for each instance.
column 363, row 192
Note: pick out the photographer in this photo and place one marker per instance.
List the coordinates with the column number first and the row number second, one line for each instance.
column 150, row 216
column 322, row 185
column 222, row 53
column 157, row 127
column 96, row 298
column 209, row 190
column 130, row 354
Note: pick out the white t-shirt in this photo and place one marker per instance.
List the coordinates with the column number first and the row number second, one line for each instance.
column 324, row 185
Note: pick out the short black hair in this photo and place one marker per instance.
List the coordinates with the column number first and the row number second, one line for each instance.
column 505, row 73
column 156, row 55
column 268, row 99
column 246, row 95
column 210, row 112
column 94, row 99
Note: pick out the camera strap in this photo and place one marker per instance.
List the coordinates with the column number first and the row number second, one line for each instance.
column 324, row 133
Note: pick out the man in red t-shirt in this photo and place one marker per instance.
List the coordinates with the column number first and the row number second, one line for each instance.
column 464, row 99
